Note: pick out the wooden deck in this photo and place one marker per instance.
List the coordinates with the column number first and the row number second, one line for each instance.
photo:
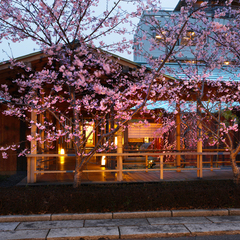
column 57, row 164
column 67, row 178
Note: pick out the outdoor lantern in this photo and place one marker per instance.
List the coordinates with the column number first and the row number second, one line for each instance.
column 103, row 161
column 61, row 151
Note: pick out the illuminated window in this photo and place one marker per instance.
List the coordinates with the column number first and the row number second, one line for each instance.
column 189, row 37
column 160, row 36
column 146, row 140
column 90, row 140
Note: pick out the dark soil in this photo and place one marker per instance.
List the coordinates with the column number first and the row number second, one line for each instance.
column 117, row 197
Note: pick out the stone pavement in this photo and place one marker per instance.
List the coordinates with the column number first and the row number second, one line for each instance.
column 121, row 225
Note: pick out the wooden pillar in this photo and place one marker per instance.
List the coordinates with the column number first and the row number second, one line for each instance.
column 42, row 164
column 98, row 158
column 119, row 158
column 199, row 143
column 211, row 162
column 112, row 160
column 126, row 146
column 178, row 137
column 146, row 162
column 161, row 167
column 31, row 176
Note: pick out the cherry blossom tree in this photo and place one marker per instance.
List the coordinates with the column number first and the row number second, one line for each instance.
column 216, row 77
column 80, row 79
column 80, row 84
column 204, row 63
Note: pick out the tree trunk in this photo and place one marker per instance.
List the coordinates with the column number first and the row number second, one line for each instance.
column 78, row 173
column 236, row 172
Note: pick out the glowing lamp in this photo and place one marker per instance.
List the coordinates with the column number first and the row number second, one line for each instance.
column 115, row 141
column 103, row 161
column 62, row 152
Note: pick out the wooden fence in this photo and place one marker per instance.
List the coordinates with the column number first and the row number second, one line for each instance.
column 32, row 163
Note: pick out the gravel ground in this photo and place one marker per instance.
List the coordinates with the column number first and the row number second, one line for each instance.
column 13, row 180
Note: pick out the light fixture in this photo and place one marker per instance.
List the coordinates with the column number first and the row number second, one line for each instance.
column 115, row 141
column 103, row 161
column 61, row 151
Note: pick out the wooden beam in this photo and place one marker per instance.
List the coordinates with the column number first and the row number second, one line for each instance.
column 119, row 158
column 199, row 142
column 31, row 176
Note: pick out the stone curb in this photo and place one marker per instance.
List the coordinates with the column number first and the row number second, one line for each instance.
column 147, row 214
column 234, row 211
column 25, row 218
column 121, row 215
column 200, row 213
column 81, row 216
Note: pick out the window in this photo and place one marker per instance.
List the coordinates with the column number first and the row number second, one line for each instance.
column 190, row 35
column 90, row 140
column 160, row 36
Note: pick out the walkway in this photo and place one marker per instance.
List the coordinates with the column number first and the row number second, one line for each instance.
column 121, row 225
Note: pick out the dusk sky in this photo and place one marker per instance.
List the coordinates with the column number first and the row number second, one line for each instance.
column 27, row 47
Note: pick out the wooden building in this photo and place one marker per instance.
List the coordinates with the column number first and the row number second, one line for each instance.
column 14, row 131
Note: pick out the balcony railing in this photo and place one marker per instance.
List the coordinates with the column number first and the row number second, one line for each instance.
column 32, row 163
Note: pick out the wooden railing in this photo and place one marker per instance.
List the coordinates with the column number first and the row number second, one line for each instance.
column 32, row 160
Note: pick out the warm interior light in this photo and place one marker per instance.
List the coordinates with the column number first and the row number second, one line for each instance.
column 89, row 129
column 62, row 152
column 226, row 63
column 163, row 33
column 115, row 141
column 103, row 161
column 146, row 140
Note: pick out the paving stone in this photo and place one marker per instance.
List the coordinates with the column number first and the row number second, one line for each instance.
column 8, row 226
column 115, row 222
column 86, row 233
column 153, row 231
column 76, row 216
column 199, row 212
column 25, row 234
column 234, row 211
column 142, row 214
column 51, row 224
column 214, row 228
column 216, row 219
column 178, row 220
column 25, row 218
